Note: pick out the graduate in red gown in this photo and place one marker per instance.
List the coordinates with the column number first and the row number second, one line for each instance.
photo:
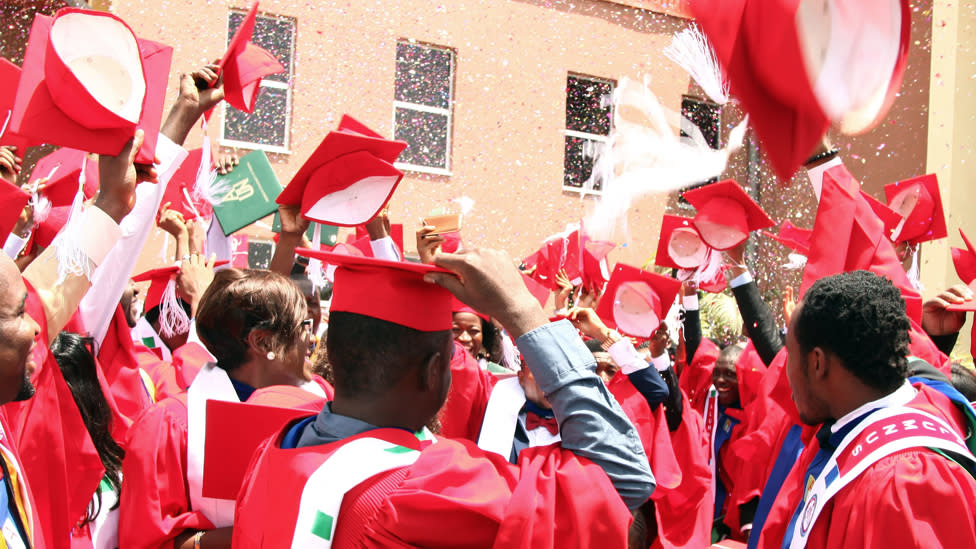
column 868, row 479
column 366, row 471
column 258, row 343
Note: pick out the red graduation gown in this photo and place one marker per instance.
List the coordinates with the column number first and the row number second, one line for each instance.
column 155, row 502
column 684, row 512
column 454, row 495
column 913, row 498
column 464, row 411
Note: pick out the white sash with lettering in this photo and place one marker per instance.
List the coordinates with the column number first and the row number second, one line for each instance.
column 346, row 468
column 881, row 434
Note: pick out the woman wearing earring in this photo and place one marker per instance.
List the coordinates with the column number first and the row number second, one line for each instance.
column 254, row 325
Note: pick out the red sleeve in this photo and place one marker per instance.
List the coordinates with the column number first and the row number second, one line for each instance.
column 464, row 411
column 550, row 499
column 915, row 498
column 651, row 427
column 685, row 513
column 56, row 452
column 155, row 505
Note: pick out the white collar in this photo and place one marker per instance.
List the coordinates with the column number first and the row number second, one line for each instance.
column 900, row 397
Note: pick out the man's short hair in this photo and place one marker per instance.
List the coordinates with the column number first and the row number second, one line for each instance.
column 369, row 355
column 860, row 318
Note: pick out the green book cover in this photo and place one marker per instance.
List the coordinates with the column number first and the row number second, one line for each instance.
column 251, row 192
column 329, row 233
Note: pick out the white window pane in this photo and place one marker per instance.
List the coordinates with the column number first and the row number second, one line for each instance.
column 426, row 134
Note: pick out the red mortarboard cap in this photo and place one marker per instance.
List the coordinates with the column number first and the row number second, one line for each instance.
column 13, row 200
column 795, row 67
column 156, row 61
column 538, row 290
column 889, row 217
column 726, row 214
column 9, row 78
column 63, row 166
column 83, row 83
column 965, row 260
column 636, row 301
column 158, row 279
column 357, row 167
column 185, row 179
column 680, row 246
column 848, row 236
column 245, row 64
column 457, row 306
column 46, row 230
column 393, row 291
column 792, row 237
column 919, row 201
column 965, row 263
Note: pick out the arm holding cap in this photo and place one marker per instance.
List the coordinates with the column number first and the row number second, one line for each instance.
column 591, row 423
column 98, row 305
column 293, row 227
column 195, row 99
column 61, row 292
column 758, row 319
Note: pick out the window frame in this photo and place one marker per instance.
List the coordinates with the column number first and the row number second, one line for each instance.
column 566, row 132
column 448, row 112
column 265, row 83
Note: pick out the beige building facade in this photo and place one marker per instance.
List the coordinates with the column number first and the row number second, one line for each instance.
column 506, row 110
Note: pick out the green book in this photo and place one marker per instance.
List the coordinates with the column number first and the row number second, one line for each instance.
column 329, row 233
column 251, row 192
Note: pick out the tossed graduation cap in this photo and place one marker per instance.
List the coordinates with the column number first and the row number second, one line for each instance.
column 964, row 260
column 13, row 199
column 64, row 168
column 349, row 177
column 393, row 291
column 10, row 76
column 244, row 64
column 635, row 301
column 680, row 246
column 726, row 214
column 88, row 83
column 793, row 237
column 919, row 202
column 179, row 190
column 796, row 66
column 888, row 216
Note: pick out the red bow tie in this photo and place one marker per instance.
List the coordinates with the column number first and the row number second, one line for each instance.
column 533, row 420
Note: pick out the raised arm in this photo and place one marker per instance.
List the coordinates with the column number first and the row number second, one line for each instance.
column 756, row 316
column 591, row 423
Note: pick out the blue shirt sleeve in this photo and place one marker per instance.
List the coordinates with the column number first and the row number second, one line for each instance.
column 591, row 423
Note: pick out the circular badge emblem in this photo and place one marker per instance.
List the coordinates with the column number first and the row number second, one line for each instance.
column 807, row 520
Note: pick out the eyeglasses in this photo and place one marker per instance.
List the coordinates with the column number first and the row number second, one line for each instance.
column 307, row 327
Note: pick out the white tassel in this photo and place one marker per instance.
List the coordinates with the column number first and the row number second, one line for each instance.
column 317, row 273
column 172, row 316
column 709, row 269
column 797, row 262
column 692, row 52
column 69, row 246
column 206, row 187
column 42, row 208
column 914, row 272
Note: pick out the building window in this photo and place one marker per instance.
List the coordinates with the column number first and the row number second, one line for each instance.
column 423, row 99
column 267, row 127
column 589, row 114
column 707, row 116
column 259, row 254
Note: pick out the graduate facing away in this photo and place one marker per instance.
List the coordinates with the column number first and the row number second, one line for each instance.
column 366, row 471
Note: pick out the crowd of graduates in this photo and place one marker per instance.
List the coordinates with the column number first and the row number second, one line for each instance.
column 352, row 395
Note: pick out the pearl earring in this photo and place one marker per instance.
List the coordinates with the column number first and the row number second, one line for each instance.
column 271, row 355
